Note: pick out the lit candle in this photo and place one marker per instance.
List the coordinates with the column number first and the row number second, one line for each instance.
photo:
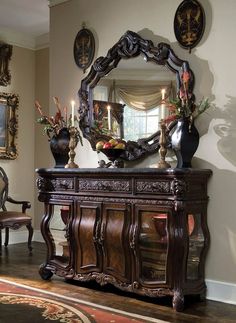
column 163, row 91
column 109, row 117
column 72, row 113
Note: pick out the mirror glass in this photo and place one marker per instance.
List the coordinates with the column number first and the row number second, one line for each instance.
column 137, row 85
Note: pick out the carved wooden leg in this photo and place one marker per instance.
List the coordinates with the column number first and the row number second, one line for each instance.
column 31, row 231
column 178, row 301
column 6, row 237
column 44, row 272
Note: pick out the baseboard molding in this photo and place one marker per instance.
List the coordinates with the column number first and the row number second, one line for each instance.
column 221, row 291
column 216, row 290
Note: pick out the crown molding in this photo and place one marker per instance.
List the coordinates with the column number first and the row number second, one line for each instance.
column 23, row 40
column 52, row 3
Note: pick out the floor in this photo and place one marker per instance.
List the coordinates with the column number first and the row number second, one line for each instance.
column 17, row 265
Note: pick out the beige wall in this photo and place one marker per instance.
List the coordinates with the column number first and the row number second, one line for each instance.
column 21, row 170
column 212, row 65
column 43, row 157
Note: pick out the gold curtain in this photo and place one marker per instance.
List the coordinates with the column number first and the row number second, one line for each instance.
column 143, row 97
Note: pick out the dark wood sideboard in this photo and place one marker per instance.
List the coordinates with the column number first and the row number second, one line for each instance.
column 141, row 230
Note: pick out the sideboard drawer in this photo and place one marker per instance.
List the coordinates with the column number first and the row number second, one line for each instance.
column 149, row 186
column 104, row 185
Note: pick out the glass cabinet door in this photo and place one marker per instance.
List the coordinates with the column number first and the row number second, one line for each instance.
column 196, row 245
column 153, row 244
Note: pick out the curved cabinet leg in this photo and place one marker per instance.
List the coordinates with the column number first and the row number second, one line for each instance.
column 6, row 237
column 31, row 231
column 44, row 272
column 178, row 301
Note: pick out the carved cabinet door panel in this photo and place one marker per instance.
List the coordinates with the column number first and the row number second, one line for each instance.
column 86, row 231
column 115, row 240
column 151, row 239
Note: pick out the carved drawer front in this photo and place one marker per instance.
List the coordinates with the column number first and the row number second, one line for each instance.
column 63, row 184
column 148, row 186
column 104, row 185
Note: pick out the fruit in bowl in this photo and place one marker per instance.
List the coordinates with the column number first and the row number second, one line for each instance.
column 112, row 148
column 99, row 145
column 111, row 144
column 107, row 145
column 120, row 145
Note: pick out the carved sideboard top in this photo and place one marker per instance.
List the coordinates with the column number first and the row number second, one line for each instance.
column 177, row 183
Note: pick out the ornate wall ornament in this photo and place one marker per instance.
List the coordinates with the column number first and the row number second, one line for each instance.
column 84, row 48
column 5, row 56
column 189, row 23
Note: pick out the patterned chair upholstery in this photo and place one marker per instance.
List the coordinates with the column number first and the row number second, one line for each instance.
column 12, row 219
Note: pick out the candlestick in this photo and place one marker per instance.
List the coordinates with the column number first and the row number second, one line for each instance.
column 72, row 145
column 163, row 143
column 109, row 117
column 72, row 113
column 163, row 91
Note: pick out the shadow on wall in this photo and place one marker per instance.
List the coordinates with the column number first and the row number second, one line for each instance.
column 226, row 130
column 221, row 222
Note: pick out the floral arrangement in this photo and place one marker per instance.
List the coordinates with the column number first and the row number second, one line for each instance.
column 53, row 125
column 183, row 106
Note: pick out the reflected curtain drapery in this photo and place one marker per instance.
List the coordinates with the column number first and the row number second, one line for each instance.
column 143, row 97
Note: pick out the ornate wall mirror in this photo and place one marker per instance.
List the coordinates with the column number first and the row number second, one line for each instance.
column 131, row 76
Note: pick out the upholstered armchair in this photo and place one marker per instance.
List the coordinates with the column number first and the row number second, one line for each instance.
column 12, row 219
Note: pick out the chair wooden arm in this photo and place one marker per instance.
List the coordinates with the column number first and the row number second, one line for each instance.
column 25, row 204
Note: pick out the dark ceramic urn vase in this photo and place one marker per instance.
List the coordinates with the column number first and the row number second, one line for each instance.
column 185, row 140
column 59, row 145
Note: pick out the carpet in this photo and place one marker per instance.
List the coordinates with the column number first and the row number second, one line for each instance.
column 23, row 304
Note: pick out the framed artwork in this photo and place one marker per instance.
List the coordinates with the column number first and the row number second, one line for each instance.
column 189, row 23
column 84, row 47
column 8, row 125
column 5, row 56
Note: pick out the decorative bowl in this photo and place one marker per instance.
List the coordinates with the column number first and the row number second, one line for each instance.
column 112, row 153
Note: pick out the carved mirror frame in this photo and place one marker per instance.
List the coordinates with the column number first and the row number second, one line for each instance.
column 130, row 45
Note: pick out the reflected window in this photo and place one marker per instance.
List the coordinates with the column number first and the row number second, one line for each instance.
column 140, row 124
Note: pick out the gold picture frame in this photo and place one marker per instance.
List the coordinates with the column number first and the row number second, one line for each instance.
column 8, row 125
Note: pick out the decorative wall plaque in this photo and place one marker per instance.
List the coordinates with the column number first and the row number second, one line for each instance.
column 189, row 23
column 84, row 47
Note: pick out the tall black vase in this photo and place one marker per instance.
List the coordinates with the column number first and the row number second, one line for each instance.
column 185, row 140
column 59, row 145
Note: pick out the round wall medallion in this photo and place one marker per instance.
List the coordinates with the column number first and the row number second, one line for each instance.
column 189, row 23
column 84, row 47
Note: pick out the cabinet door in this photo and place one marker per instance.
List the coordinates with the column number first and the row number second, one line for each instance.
column 86, row 229
column 151, row 245
column 115, row 240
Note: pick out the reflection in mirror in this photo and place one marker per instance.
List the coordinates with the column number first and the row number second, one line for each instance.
column 57, row 226
column 140, row 77
column 108, row 118
column 143, row 89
